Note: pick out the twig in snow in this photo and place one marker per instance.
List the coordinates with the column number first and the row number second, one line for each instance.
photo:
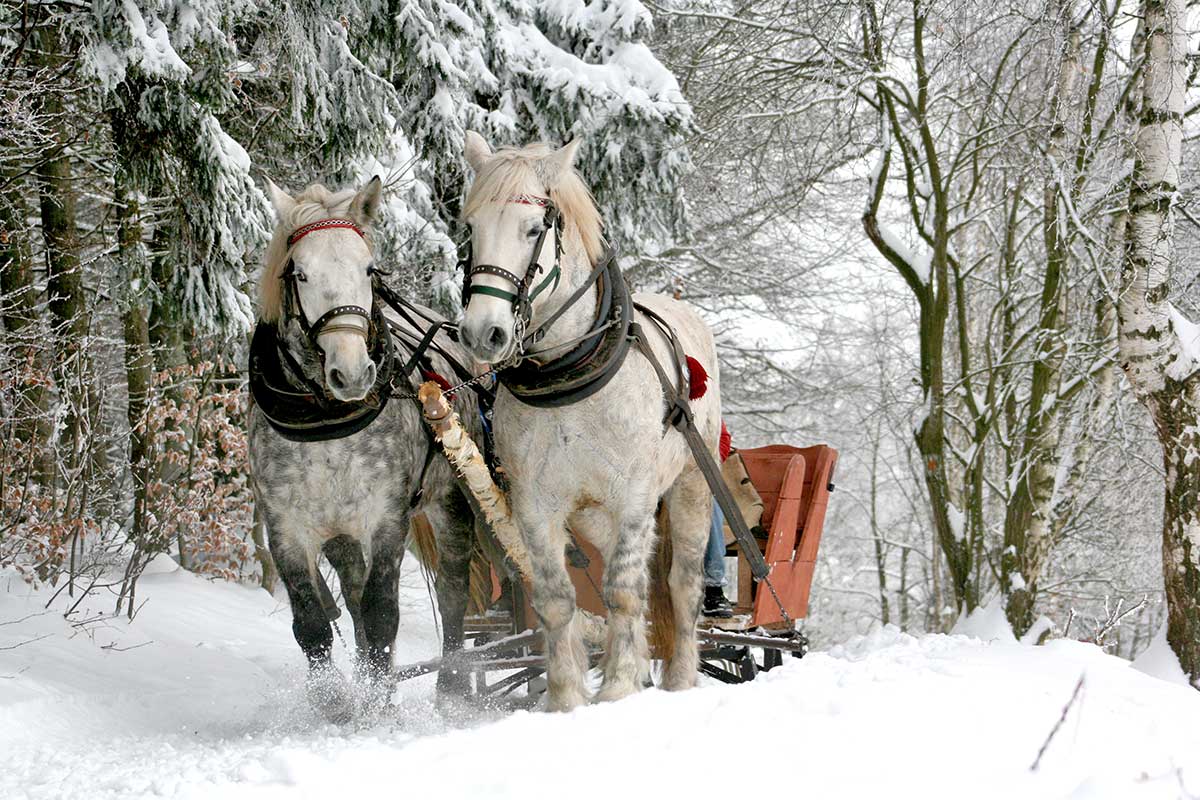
column 22, row 619
column 1066, row 710
column 113, row 647
column 1113, row 617
column 27, row 641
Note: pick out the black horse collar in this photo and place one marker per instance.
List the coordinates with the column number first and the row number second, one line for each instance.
column 590, row 365
column 307, row 412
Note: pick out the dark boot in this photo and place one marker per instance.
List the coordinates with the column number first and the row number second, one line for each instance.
column 715, row 604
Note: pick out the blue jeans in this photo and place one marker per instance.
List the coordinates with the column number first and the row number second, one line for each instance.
column 714, row 555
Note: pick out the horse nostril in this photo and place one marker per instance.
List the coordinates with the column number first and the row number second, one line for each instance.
column 336, row 379
column 496, row 336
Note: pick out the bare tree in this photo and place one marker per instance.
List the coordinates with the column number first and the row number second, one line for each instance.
column 1160, row 348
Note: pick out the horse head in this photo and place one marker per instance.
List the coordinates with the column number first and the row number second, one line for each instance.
column 319, row 280
column 528, row 211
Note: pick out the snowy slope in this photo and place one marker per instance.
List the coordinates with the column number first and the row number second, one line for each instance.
column 207, row 707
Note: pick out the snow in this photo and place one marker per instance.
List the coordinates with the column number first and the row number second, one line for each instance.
column 206, row 704
column 957, row 522
column 986, row 623
column 919, row 261
column 1160, row 661
column 1188, row 334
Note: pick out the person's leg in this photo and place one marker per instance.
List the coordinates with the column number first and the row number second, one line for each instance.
column 714, row 556
column 715, row 603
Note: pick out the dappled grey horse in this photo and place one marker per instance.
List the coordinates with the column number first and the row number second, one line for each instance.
column 339, row 469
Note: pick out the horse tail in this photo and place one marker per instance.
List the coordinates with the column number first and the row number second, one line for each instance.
column 662, row 609
column 479, row 586
column 423, row 543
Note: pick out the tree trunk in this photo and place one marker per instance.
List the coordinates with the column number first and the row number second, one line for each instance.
column 64, row 273
column 880, row 551
column 1163, row 370
column 32, row 424
column 1028, row 523
column 139, row 365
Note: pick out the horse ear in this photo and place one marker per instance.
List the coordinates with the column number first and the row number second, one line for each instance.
column 281, row 200
column 364, row 208
column 477, row 150
column 559, row 162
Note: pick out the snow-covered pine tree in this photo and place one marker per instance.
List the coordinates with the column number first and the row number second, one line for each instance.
column 527, row 71
column 162, row 71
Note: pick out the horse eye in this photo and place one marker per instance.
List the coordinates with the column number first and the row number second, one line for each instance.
column 534, row 232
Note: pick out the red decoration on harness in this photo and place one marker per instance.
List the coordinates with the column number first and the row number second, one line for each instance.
column 442, row 383
column 323, row 224
column 697, row 379
column 529, row 200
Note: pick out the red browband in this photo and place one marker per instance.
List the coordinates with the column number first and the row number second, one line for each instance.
column 323, row 224
column 529, row 200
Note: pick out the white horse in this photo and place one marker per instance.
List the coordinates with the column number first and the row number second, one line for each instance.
column 599, row 466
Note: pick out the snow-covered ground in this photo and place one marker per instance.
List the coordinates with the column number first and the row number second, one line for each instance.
column 199, row 697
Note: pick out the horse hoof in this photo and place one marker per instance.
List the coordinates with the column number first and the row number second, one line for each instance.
column 617, row 690
column 330, row 693
column 565, row 701
column 375, row 687
column 452, row 684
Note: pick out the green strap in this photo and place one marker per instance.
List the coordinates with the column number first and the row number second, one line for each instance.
column 552, row 275
column 494, row 292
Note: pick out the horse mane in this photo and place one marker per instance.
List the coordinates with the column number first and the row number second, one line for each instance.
column 521, row 170
column 314, row 203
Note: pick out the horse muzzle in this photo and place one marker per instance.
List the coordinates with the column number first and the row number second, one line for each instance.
column 487, row 342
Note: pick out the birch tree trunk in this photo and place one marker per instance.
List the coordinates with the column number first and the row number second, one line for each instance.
column 1158, row 346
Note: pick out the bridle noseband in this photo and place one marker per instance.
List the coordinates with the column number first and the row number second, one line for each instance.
column 322, row 325
column 522, row 299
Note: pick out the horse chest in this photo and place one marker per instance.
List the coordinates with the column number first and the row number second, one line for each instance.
column 595, row 447
column 329, row 488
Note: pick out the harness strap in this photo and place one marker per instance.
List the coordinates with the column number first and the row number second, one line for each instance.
column 415, row 500
column 536, row 335
column 419, row 351
column 682, row 420
column 407, row 310
column 678, row 404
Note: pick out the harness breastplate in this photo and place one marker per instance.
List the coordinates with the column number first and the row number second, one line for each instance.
column 589, row 366
column 308, row 413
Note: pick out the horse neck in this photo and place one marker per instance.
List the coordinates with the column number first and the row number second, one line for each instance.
column 576, row 320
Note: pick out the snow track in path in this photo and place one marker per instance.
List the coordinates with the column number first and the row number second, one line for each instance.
column 207, row 706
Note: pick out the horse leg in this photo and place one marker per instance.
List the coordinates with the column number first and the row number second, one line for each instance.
column 346, row 556
column 554, row 603
column 327, row 690
column 627, row 661
column 381, row 596
column 689, row 508
column 455, row 525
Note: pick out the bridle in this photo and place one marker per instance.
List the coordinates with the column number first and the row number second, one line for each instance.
column 293, row 308
column 522, row 299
